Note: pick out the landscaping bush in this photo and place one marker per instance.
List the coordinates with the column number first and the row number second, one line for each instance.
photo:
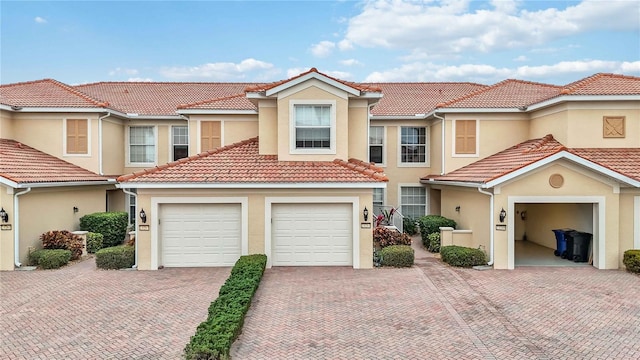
column 112, row 225
column 386, row 237
column 631, row 260
column 214, row 336
column 462, row 256
column 64, row 240
column 409, row 225
column 94, row 242
column 431, row 224
column 434, row 242
column 397, row 256
column 50, row 258
column 116, row 257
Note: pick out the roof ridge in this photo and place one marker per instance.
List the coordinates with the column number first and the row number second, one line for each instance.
column 167, row 83
column 574, row 86
column 355, row 85
column 79, row 93
column 491, row 87
column 202, row 102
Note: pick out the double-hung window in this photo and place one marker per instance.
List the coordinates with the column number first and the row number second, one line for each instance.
column 378, row 201
column 413, row 200
column 142, row 148
column 180, row 142
column 313, row 127
column 376, row 144
column 413, row 145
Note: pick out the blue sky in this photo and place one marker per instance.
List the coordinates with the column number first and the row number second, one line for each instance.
column 387, row 40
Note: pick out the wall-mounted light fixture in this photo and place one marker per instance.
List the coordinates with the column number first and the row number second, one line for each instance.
column 503, row 215
column 4, row 216
column 458, row 208
column 143, row 216
column 365, row 214
column 75, row 209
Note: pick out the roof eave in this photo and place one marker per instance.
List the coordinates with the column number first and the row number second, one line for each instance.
column 569, row 97
column 454, row 183
column 283, row 185
column 309, row 76
column 216, row 112
column 23, row 185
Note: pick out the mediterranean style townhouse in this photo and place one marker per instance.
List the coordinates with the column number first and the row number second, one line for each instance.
column 298, row 168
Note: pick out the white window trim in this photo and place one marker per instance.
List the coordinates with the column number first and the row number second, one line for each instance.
column 426, row 196
column 453, row 140
column 384, row 146
column 128, row 147
column 199, row 133
column 64, row 138
column 292, row 127
column 427, row 150
column 171, row 144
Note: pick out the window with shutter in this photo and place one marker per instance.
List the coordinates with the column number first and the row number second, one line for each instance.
column 77, row 136
column 466, row 136
column 210, row 135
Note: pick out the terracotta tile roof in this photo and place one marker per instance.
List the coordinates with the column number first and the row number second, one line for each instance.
column 625, row 161
column 46, row 93
column 23, row 164
column 505, row 94
column 504, row 162
column 233, row 102
column 409, row 99
column 241, row 163
column 159, row 98
column 604, row 84
column 359, row 86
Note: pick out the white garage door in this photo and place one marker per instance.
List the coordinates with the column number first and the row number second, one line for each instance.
column 312, row 234
column 200, row 234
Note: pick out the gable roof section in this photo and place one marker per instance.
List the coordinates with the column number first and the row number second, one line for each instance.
column 604, row 84
column 241, row 164
column 23, row 165
column 232, row 102
column 46, row 93
column 620, row 163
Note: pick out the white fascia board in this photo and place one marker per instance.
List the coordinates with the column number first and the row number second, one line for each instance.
column 398, row 117
column 571, row 157
column 257, row 95
column 155, row 117
column 474, row 185
column 474, row 110
column 309, row 76
column 9, row 183
column 57, row 109
column 63, row 184
column 217, row 112
column 371, row 95
column 377, row 185
column 566, row 98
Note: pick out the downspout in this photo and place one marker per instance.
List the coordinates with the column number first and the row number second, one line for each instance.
column 369, row 130
column 135, row 228
column 491, row 234
column 100, row 118
column 16, row 229
column 443, row 127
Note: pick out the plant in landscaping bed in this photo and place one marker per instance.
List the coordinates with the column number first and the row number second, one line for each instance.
column 385, row 217
column 409, row 225
column 112, row 225
column 631, row 260
column 431, row 224
column 397, row 256
column 50, row 258
column 63, row 239
column 94, row 242
column 462, row 256
column 116, row 257
column 384, row 237
column 434, row 242
column 214, row 336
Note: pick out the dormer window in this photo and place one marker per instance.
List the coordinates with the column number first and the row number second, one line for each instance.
column 313, row 127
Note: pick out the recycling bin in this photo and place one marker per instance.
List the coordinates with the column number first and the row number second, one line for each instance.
column 581, row 243
column 561, row 242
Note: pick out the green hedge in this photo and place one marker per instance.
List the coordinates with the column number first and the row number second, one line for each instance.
column 214, row 336
column 116, row 257
column 50, row 258
column 397, row 256
column 112, row 225
column 462, row 256
column 434, row 242
column 631, row 260
column 431, row 224
column 94, row 242
column 409, row 225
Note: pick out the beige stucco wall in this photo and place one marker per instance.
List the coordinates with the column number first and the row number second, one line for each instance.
column 550, row 121
column 268, row 127
column 6, row 124
column 628, row 215
column 113, row 143
column 256, row 209
column 473, row 214
column 234, row 128
column 358, row 130
column 235, row 131
column 42, row 210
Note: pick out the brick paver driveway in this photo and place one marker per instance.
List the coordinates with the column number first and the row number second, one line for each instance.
column 79, row 312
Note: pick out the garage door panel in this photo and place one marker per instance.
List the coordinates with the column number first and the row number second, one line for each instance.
column 312, row 234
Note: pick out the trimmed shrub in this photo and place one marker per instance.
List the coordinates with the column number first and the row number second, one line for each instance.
column 116, row 257
column 431, row 224
column 112, row 225
column 397, row 256
column 386, row 237
column 434, row 242
column 409, row 225
column 462, row 256
column 631, row 260
column 50, row 258
column 214, row 336
column 94, row 242
column 63, row 239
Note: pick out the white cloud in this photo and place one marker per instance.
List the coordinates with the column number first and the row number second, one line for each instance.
column 323, row 48
column 139, row 79
column 40, row 20
column 568, row 67
column 521, row 58
column 223, row 71
column 350, row 62
column 123, row 71
column 345, row 45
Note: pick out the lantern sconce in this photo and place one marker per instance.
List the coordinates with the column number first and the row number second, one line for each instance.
column 75, row 209
column 503, row 215
column 365, row 214
column 4, row 216
column 458, row 208
column 143, row 216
